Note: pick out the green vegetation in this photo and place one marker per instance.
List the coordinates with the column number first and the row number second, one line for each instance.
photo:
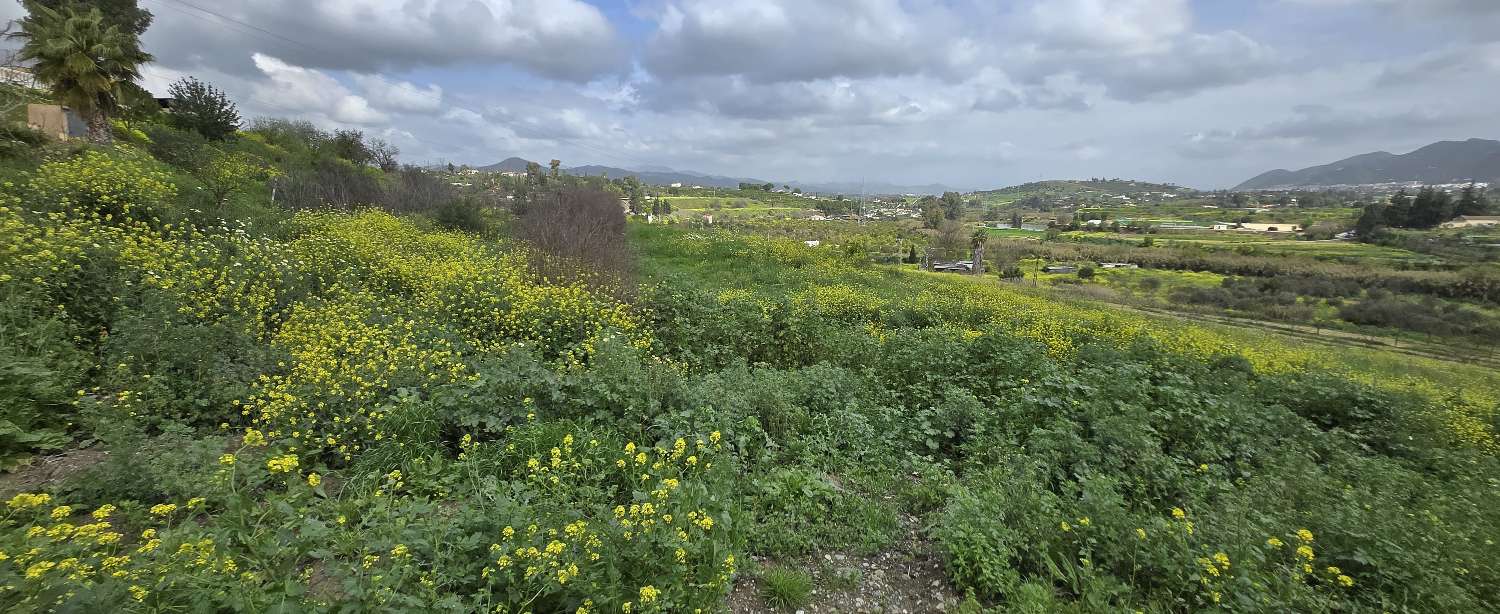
column 383, row 392
column 785, row 588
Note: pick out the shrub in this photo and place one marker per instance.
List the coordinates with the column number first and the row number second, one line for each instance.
column 180, row 148
column 578, row 234
column 116, row 185
column 460, row 214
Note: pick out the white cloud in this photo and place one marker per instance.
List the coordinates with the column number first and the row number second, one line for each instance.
column 767, row 41
column 563, row 39
column 401, row 96
column 298, row 90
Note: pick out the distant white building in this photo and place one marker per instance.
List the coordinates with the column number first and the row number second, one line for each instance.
column 1473, row 221
column 1277, row 227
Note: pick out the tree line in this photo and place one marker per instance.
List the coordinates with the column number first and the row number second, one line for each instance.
column 1428, row 209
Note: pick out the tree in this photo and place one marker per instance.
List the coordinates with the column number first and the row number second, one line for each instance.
column 932, row 211
column 953, row 205
column 384, row 155
column 555, row 164
column 350, row 145
column 950, row 242
column 1430, row 208
column 202, row 108
column 1015, row 219
column 137, row 105
column 1472, row 201
column 911, row 254
column 82, row 59
column 127, row 14
column 534, row 174
column 1398, row 214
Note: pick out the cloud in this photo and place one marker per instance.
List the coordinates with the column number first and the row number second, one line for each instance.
column 1481, row 61
column 767, row 41
column 303, row 91
column 1317, row 125
column 1133, row 27
column 1134, row 50
column 559, row 39
column 400, row 96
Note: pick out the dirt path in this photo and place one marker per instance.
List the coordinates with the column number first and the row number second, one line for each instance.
column 1330, row 336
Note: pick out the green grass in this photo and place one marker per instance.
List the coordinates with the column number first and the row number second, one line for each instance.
column 785, row 588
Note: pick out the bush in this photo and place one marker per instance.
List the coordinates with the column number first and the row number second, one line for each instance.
column 180, row 148
column 115, row 185
column 461, row 214
column 578, row 234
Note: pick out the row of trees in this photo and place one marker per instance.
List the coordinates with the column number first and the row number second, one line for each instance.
column 1428, row 209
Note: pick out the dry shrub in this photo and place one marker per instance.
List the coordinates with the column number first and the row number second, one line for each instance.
column 578, row 234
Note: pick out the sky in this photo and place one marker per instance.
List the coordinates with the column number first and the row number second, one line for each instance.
column 972, row 94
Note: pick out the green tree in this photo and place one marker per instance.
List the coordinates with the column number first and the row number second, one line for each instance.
column 350, row 145
column 1015, row 219
column 202, row 108
column 1430, row 208
column 127, row 14
column 1472, row 201
column 1398, row 213
column 953, row 205
column 82, row 59
column 932, row 211
column 555, row 165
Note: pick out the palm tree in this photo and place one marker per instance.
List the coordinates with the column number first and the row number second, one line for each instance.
column 82, row 59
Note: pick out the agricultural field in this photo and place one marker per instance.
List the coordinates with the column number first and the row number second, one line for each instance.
column 1435, row 289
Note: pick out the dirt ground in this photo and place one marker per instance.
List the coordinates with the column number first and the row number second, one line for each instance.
column 906, row 578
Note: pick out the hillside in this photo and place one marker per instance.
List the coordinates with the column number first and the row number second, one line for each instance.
column 1441, row 162
column 1067, row 192
column 661, row 175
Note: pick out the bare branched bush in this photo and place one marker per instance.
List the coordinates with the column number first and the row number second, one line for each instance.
column 414, row 190
column 328, row 183
column 579, row 234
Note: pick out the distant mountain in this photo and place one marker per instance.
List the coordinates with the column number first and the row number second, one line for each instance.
column 661, row 175
column 1441, row 162
column 511, row 164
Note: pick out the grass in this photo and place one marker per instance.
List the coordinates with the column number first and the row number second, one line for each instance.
column 785, row 588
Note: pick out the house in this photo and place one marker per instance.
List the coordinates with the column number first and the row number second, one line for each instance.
column 812, row 243
column 1060, row 268
column 1119, row 265
column 962, row 266
column 1276, row 227
column 1473, row 221
column 1223, row 226
column 56, row 121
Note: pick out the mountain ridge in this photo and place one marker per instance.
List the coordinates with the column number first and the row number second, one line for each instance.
column 1441, row 162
